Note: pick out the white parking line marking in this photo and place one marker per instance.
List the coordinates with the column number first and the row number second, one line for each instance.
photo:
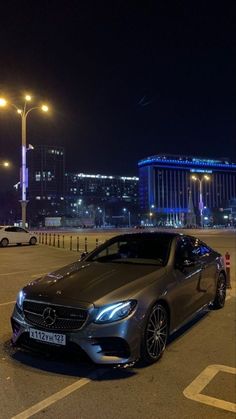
column 8, row 303
column 58, row 396
column 194, row 389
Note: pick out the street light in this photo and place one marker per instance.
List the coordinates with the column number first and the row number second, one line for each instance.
column 24, row 112
column 5, row 164
column 202, row 179
column 125, row 211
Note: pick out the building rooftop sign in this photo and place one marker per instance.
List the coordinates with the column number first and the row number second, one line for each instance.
column 186, row 161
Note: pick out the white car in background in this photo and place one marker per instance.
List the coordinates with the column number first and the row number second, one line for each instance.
column 15, row 235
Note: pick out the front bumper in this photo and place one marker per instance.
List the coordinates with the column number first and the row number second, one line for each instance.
column 111, row 343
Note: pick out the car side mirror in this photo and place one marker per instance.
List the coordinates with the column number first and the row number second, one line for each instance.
column 184, row 263
column 187, row 262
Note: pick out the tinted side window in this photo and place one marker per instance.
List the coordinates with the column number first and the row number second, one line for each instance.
column 205, row 250
column 10, row 229
column 20, row 230
column 186, row 250
column 183, row 250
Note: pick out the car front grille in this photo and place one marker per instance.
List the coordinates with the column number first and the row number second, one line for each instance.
column 54, row 317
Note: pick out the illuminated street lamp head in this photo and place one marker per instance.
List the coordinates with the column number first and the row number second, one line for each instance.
column 19, row 111
column 44, row 108
column 3, row 102
column 6, row 164
column 194, row 177
column 28, row 98
column 207, row 177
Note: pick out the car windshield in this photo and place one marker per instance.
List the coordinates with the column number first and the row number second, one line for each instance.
column 134, row 250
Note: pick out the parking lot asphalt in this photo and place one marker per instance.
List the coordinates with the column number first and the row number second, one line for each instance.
column 195, row 378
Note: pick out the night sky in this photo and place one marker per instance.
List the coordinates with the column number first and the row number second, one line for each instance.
column 124, row 80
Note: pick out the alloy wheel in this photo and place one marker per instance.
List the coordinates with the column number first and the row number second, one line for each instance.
column 156, row 332
column 221, row 291
column 4, row 243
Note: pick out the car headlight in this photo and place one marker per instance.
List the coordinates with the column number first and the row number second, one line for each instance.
column 114, row 312
column 20, row 299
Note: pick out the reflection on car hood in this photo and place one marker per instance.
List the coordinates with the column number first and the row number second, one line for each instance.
column 93, row 282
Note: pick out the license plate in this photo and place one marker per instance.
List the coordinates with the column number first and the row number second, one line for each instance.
column 48, row 337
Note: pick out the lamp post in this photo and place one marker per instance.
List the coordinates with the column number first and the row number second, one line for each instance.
column 24, row 112
column 125, row 211
column 200, row 180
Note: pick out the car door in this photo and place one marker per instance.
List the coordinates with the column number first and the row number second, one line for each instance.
column 187, row 271
column 10, row 234
column 22, row 236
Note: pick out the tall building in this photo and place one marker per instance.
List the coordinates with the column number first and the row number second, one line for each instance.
column 108, row 199
column 46, row 187
column 167, row 180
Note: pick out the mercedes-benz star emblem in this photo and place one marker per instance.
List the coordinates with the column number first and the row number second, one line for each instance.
column 49, row 316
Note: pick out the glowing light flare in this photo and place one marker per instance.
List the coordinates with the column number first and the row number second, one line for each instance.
column 28, row 98
column 6, row 164
column 44, row 108
column 19, row 111
column 3, row 102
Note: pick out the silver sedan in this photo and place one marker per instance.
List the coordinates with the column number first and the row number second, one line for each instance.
column 122, row 301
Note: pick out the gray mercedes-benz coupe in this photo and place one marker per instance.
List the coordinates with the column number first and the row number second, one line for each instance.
column 121, row 302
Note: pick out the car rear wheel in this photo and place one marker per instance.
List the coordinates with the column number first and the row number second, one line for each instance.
column 33, row 241
column 4, row 242
column 219, row 300
column 155, row 334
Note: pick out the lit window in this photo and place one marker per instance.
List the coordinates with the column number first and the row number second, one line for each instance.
column 37, row 176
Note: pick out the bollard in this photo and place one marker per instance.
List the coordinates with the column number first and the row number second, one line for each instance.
column 58, row 240
column 54, row 240
column 50, row 239
column 42, row 238
column 85, row 244
column 227, row 265
column 46, row 238
column 70, row 242
column 63, row 241
column 77, row 244
column 96, row 245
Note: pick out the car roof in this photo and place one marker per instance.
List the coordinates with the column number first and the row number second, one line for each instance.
column 150, row 234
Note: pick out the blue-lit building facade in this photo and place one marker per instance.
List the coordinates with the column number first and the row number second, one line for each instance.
column 168, row 192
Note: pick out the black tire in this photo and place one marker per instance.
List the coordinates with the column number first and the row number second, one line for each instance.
column 4, row 242
column 155, row 335
column 33, row 241
column 219, row 300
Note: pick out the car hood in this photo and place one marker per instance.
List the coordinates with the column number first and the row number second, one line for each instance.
column 93, row 283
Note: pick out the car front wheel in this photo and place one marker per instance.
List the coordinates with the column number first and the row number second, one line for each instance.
column 4, row 242
column 155, row 334
column 219, row 300
column 33, row 241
